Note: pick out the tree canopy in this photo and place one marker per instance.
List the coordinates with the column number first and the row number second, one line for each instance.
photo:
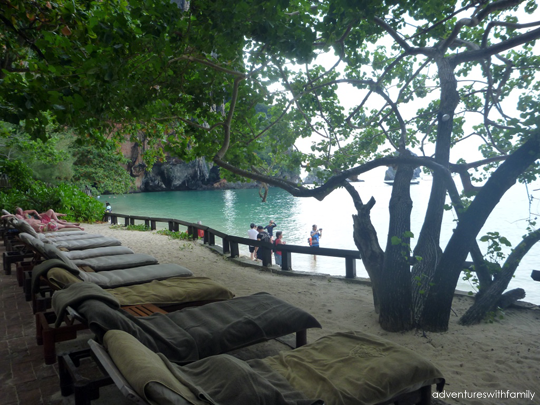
column 422, row 76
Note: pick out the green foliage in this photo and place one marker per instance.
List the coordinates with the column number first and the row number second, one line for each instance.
column 29, row 193
column 136, row 227
column 403, row 241
column 495, row 242
column 102, row 168
column 175, row 235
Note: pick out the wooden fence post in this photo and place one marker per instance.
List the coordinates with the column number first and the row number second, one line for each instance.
column 235, row 252
column 286, row 260
column 350, row 267
column 226, row 248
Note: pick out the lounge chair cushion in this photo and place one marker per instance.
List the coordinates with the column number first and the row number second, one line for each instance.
column 34, row 243
column 98, row 252
column 24, row 226
column 117, row 262
column 172, row 291
column 52, row 252
column 382, row 369
column 104, row 263
column 39, row 246
column 175, row 290
column 112, row 278
column 135, row 275
column 340, row 369
column 197, row 332
column 61, row 278
column 69, row 236
column 82, row 244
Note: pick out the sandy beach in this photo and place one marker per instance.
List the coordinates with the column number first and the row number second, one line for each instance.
column 497, row 361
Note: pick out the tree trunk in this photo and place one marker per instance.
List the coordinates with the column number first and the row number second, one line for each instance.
column 365, row 239
column 510, row 297
column 437, row 308
column 428, row 246
column 489, row 300
column 395, row 294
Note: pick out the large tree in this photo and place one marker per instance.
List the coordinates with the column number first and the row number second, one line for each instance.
column 426, row 76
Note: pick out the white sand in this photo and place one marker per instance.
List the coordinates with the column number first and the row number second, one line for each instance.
column 500, row 358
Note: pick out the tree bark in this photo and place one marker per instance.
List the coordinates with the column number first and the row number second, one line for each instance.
column 395, row 296
column 365, row 239
column 510, row 297
column 437, row 308
column 428, row 246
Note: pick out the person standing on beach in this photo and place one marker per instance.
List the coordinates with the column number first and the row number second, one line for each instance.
column 270, row 229
column 252, row 234
column 279, row 241
column 315, row 235
column 200, row 232
column 263, row 236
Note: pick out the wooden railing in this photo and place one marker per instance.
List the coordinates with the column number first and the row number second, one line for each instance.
column 230, row 244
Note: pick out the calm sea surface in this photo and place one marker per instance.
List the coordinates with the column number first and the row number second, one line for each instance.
column 231, row 211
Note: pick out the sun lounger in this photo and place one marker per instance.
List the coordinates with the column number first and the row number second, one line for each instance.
column 112, row 278
column 173, row 294
column 199, row 332
column 104, row 263
column 351, row 368
column 95, row 264
column 66, row 242
column 192, row 333
column 38, row 246
column 23, row 226
column 39, row 250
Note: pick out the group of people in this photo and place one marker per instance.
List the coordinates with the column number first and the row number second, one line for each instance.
column 47, row 221
column 266, row 234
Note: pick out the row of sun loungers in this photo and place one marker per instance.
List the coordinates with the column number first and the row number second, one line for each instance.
column 157, row 354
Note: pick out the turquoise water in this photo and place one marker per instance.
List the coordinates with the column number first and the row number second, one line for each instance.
column 231, row 211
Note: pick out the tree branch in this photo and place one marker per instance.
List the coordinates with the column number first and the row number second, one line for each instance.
column 494, row 49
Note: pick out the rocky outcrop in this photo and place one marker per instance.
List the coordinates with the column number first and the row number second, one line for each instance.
column 176, row 175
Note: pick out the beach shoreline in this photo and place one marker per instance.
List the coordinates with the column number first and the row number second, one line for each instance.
column 496, row 359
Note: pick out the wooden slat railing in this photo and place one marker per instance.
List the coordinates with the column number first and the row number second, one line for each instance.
column 230, row 244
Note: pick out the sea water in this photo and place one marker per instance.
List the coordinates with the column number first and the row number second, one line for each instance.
column 232, row 211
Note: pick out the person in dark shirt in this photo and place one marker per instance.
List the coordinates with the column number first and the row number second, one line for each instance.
column 270, row 228
column 262, row 236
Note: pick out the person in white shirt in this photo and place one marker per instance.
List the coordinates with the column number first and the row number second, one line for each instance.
column 252, row 234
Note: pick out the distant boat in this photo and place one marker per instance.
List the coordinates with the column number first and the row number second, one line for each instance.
column 391, row 182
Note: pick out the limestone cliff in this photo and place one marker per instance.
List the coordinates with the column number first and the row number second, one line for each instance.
column 175, row 174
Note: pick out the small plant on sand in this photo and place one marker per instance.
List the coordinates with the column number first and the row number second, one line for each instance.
column 140, row 227
column 175, row 235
